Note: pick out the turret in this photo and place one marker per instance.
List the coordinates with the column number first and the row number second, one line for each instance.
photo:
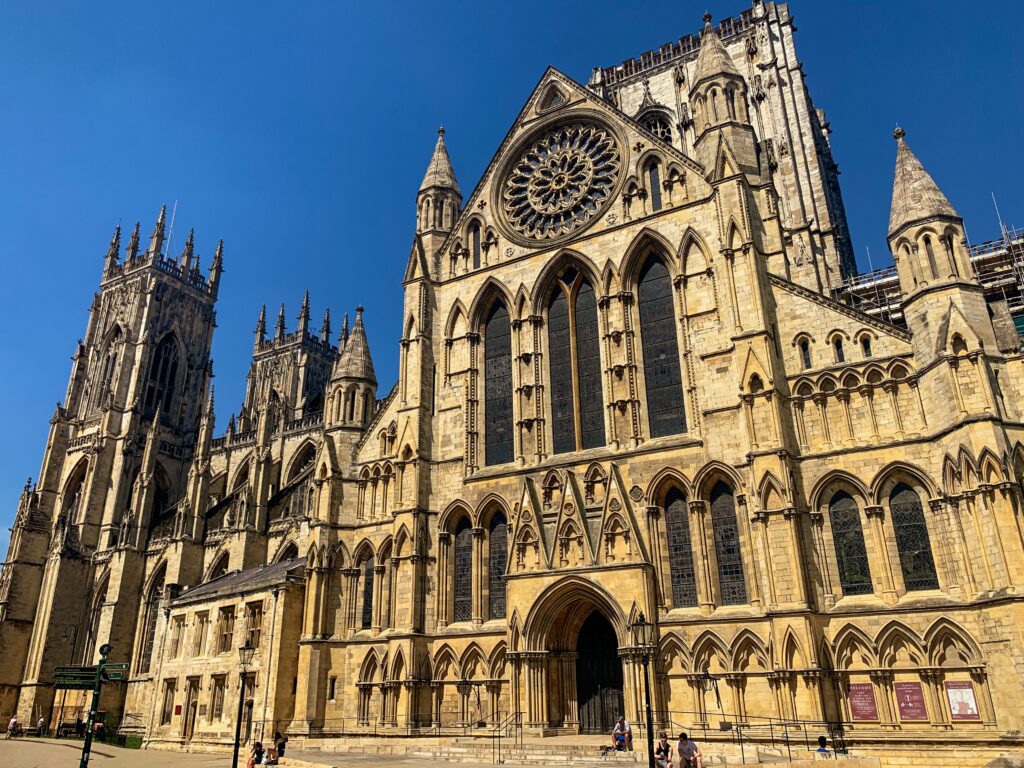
column 353, row 381
column 926, row 238
column 216, row 268
column 188, row 253
column 261, row 327
column 439, row 200
column 325, row 327
column 279, row 330
column 724, row 139
column 132, row 252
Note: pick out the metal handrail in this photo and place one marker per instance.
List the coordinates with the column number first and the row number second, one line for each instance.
column 513, row 723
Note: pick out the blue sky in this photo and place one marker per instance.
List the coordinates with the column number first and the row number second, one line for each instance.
column 299, row 133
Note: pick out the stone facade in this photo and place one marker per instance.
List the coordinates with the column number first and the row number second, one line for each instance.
column 623, row 388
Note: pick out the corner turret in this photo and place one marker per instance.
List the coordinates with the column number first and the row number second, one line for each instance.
column 439, row 200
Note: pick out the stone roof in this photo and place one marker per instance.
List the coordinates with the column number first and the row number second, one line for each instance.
column 712, row 59
column 915, row 195
column 354, row 361
column 440, row 172
column 251, row 580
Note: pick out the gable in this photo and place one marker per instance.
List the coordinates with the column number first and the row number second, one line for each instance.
column 561, row 172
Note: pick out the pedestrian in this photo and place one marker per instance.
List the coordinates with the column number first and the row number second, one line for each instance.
column 41, row 727
column 663, row 753
column 822, row 752
column 622, row 736
column 12, row 727
column 279, row 743
column 688, row 751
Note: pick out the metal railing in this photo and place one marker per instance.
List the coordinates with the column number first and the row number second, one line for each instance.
column 509, row 727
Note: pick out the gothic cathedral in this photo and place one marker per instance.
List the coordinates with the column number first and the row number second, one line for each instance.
column 627, row 384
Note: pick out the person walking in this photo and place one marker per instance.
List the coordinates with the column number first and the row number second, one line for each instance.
column 12, row 727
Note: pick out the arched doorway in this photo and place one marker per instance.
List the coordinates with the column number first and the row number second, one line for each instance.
column 598, row 675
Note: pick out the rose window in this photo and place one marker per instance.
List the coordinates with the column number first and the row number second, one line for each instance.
column 561, row 182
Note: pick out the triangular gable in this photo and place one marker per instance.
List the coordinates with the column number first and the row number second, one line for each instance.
column 954, row 323
column 540, row 106
column 754, row 365
column 417, row 265
column 573, row 512
column 619, row 507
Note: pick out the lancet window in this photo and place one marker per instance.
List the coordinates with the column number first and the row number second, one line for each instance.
column 366, row 619
column 680, row 550
column 665, row 412
column 912, row 539
column 163, row 373
column 731, row 581
column 577, row 398
column 498, row 448
column 463, row 576
column 497, row 560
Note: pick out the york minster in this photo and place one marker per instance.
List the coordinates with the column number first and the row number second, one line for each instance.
column 635, row 377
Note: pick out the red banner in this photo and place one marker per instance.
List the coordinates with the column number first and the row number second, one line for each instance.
column 962, row 703
column 862, row 702
column 910, row 698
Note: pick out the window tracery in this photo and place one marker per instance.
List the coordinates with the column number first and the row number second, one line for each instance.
column 663, row 380
column 163, row 373
column 497, row 545
column 912, row 539
column 563, row 180
column 731, row 581
column 680, row 551
column 848, row 538
column 657, row 123
column 463, row 577
column 498, row 447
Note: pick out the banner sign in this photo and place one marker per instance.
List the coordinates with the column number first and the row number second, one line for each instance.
column 862, row 702
column 910, row 698
column 962, row 704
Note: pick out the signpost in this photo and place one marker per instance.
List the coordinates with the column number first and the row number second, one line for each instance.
column 85, row 679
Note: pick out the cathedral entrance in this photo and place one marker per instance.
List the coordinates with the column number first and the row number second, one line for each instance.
column 598, row 676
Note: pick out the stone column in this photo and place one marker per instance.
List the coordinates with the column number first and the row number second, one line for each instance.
column 812, row 682
column 821, row 553
column 882, row 680
column 874, row 514
column 698, row 534
column 378, row 592
column 571, row 708
column 799, row 570
column 478, row 576
column 443, row 597
column 536, row 689
column 931, row 681
column 657, row 545
column 867, row 392
column 987, row 710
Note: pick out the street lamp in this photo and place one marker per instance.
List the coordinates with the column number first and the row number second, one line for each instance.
column 643, row 639
column 245, row 654
column 711, row 683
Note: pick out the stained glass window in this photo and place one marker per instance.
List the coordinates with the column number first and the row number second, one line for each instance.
column 367, row 617
column 654, row 182
column 680, row 551
column 498, row 387
column 665, row 412
column 497, row 543
column 912, row 540
column 152, row 614
column 851, row 554
column 463, row 562
column 474, row 234
column 731, row 581
column 577, row 396
column 658, row 125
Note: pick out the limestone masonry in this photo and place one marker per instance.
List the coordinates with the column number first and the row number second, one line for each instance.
column 630, row 380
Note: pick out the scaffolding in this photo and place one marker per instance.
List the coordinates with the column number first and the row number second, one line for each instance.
column 998, row 264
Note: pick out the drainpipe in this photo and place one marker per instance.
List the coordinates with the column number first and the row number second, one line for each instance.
column 270, row 656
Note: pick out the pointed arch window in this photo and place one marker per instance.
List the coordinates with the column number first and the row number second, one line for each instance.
column 163, row 373
column 657, row 123
column 654, row 184
column 109, row 366
column 912, row 539
column 366, row 619
column 805, row 353
column 865, row 345
column 577, row 397
column 731, row 582
column 838, row 346
column 474, row 244
column 463, row 577
column 930, row 251
column 93, row 629
column 662, row 378
column 497, row 561
column 680, row 550
column 848, row 538
column 498, row 448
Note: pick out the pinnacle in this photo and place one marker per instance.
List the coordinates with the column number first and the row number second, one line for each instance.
column 713, row 59
column 439, row 171
column 354, row 361
column 915, row 195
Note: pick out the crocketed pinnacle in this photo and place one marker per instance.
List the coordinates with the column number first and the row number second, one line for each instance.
column 354, row 361
column 915, row 195
column 713, row 59
column 439, row 172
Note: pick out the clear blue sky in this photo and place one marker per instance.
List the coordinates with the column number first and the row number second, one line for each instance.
column 299, row 133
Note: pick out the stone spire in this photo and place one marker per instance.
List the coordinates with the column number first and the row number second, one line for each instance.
column 133, row 244
column 261, row 326
column 439, row 171
column 156, row 240
column 343, row 336
column 279, row 331
column 189, row 251
column 915, row 195
column 354, row 362
column 217, row 267
column 713, row 59
column 113, row 251
column 325, row 327
column 304, row 316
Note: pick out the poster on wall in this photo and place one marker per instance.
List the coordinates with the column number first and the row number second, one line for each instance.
column 910, row 698
column 962, row 704
column 862, row 702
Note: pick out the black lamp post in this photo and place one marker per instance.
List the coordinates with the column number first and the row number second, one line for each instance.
column 711, row 683
column 643, row 638
column 245, row 654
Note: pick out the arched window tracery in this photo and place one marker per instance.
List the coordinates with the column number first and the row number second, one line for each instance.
column 731, row 581
column 474, row 244
column 366, row 576
column 680, row 550
column 666, row 412
column 152, row 613
column 805, row 353
column 657, row 123
column 654, row 184
column 498, row 433
column 577, row 397
column 848, row 539
column 912, row 540
column 462, row 562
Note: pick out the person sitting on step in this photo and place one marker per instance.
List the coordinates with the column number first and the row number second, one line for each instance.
column 622, row 736
column 663, row 752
